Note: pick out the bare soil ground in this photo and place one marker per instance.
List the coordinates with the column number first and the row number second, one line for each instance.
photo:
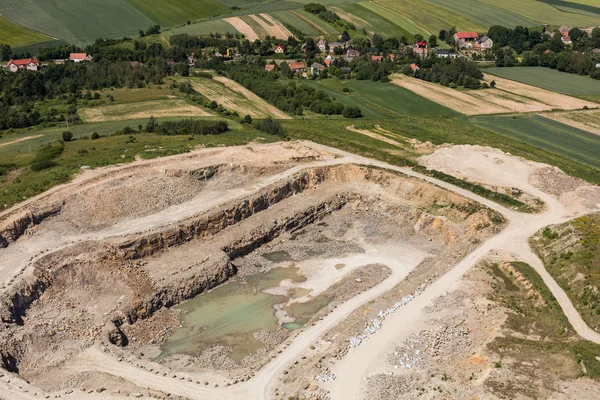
column 272, row 26
column 140, row 110
column 242, row 27
column 508, row 96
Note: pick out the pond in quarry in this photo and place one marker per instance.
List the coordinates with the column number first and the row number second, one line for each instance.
column 232, row 312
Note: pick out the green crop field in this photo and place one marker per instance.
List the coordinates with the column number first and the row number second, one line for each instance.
column 432, row 17
column 203, row 28
column 77, row 21
column 549, row 79
column 380, row 100
column 175, row 12
column 485, row 13
column 552, row 136
column 322, row 26
column 17, row 36
column 547, row 11
column 375, row 23
column 399, row 19
column 289, row 18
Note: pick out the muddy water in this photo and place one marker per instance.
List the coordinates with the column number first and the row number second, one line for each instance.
column 229, row 314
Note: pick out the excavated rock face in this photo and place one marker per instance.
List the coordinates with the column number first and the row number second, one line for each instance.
column 92, row 291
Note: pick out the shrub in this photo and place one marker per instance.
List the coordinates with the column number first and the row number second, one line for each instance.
column 271, row 127
column 191, row 126
column 41, row 165
column 352, row 112
column 67, row 136
column 247, row 119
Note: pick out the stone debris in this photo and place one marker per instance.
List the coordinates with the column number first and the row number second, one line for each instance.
column 326, row 377
column 376, row 323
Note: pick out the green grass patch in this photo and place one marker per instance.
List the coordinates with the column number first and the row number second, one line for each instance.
column 575, row 144
column 289, row 18
column 550, row 79
column 76, row 21
column 486, row 14
column 18, row 36
column 175, row 12
column 545, row 13
column 380, row 100
column 397, row 18
column 375, row 23
column 203, row 28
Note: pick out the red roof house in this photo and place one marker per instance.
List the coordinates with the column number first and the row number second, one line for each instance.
column 467, row 35
column 30, row 64
column 79, row 57
column 377, row 58
column 414, row 67
column 298, row 66
column 279, row 49
column 269, row 67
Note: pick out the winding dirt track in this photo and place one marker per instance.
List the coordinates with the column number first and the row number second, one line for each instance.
column 361, row 361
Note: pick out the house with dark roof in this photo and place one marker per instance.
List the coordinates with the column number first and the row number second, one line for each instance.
column 445, row 53
column 322, row 45
column 29, row 64
column 484, row 43
column 317, row 68
column 351, row 54
column 335, row 45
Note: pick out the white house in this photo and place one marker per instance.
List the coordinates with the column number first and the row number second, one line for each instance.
column 484, row 43
column 80, row 57
column 30, row 64
column 322, row 45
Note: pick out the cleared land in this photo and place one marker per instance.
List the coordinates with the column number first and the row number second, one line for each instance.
column 142, row 109
column 569, row 142
column 17, row 36
column 380, row 100
column 77, row 21
column 585, row 120
column 235, row 97
column 241, row 26
column 550, row 79
column 508, row 96
column 174, row 12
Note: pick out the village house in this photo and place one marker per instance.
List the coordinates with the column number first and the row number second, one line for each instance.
column 564, row 30
column 279, row 49
column 191, row 59
column 420, row 49
column 484, row 43
column 351, row 54
column 566, row 40
column 298, row 66
column 465, row 39
column 270, row 67
column 322, row 45
column 444, row 53
column 414, row 67
column 80, row 57
column 317, row 69
column 377, row 58
column 392, row 57
column 335, row 45
column 345, row 70
column 29, row 64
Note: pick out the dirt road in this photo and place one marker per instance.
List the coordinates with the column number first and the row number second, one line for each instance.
column 362, row 361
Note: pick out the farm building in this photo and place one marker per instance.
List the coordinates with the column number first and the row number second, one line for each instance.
column 420, row 49
column 351, row 54
column 269, row 67
column 29, row 64
column 317, row 68
column 80, row 57
column 322, row 45
column 279, row 49
column 484, row 43
column 465, row 39
column 443, row 53
column 298, row 66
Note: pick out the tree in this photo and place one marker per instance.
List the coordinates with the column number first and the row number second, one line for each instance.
column 442, row 34
column 5, row 52
column 67, row 136
column 345, row 36
column 432, row 41
column 247, row 119
column 151, row 125
column 271, row 127
column 352, row 112
column 95, row 136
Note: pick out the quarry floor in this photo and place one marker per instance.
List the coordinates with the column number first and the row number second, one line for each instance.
column 86, row 220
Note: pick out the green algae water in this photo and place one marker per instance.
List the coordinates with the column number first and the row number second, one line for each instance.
column 229, row 315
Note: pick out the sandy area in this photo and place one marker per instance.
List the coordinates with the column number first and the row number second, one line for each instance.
column 273, row 27
column 242, row 27
column 146, row 109
column 375, row 136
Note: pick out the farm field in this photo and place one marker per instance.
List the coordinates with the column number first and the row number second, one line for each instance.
column 546, row 134
column 235, row 97
column 380, row 100
column 550, row 79
column 364, row 18
column 203, row 28
column 304, row 26
column 17, row 36
column 76, row 21
column 399, row 19
column 549, row 11
column 321, row 26
column 142, row 109
column 508, row 96
column 485, row 13
column 272, row 26
column 431, row 17
column 174, row 12
column 587, row 120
